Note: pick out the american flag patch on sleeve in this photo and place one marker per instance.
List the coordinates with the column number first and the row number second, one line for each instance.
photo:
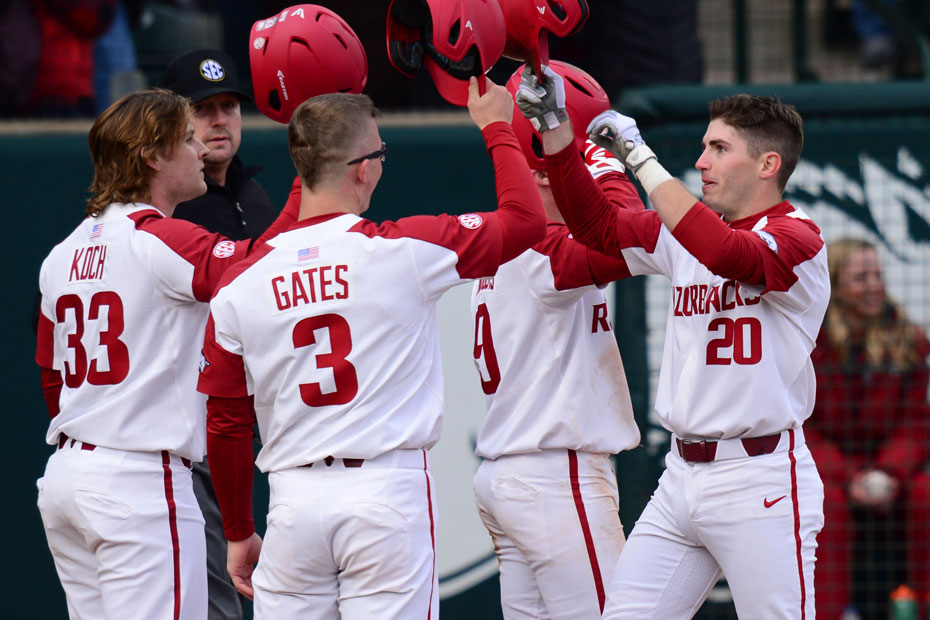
column 96, row 230
column 308, row 253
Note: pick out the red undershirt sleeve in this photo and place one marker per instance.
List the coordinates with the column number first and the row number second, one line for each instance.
column 734, row 254
column 593, row 217
column 229, row 447
column 519, row 207
column 51, row 386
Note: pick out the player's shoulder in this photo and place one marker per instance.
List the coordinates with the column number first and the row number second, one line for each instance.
column 443, row 230
column 789, row 229
column 237, row 271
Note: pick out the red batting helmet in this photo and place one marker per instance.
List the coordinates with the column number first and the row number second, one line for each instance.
column 304, row 50
column 453, row 39
column 528, row 20
column 584, row 99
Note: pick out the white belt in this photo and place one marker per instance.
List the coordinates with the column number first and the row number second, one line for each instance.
column 706, row 450
column 406, row 459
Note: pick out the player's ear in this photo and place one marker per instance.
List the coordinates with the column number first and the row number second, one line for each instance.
column 151, row 162
column 362, row 170
column 541, row 177
column 770, row 165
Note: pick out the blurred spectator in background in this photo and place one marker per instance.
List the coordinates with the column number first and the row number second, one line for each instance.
column 64, row 79
column 115, row 64
column 20, row 48
column 878, row 47
column 869, row 434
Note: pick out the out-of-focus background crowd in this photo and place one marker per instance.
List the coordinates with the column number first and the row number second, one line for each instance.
column 71, row 58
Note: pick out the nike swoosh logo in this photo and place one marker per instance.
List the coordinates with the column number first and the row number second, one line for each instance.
column 541, row 9
column 769, row 504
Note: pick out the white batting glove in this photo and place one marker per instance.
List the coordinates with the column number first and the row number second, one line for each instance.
column 616, row 133
column 620, row 135
column 542, row 102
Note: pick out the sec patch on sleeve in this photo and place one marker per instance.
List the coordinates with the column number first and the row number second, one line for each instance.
column 224, row 249
column 471, row 221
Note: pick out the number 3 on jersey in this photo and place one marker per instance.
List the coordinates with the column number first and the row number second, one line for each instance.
column 485, row 357
column 340, row 343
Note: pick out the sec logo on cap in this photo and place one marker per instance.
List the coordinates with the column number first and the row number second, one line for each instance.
column 224, row 249
column 470, row 221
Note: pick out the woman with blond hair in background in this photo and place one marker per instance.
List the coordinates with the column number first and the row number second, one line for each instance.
column 869, row 431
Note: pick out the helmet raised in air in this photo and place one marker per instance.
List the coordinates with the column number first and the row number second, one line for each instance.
column 303, row 51
column 453, row 39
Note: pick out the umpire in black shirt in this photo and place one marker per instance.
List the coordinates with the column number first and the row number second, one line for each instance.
column 236, row 206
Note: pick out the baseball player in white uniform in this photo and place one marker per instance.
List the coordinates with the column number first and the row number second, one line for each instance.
column 332, row 335
column 123, row 301
column 558, row 405
column 741, row 495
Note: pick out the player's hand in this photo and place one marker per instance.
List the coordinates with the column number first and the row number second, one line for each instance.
column 494, row 105
column 542, row 101
column 616, row 133
column 241, row 557
column 873, row 488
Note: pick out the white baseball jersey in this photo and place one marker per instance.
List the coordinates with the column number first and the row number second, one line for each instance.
column 736, row 361
column 122, row 308
column 544, row 347
column 333, row 329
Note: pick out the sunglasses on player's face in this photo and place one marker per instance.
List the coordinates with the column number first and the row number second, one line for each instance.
column 379, row 154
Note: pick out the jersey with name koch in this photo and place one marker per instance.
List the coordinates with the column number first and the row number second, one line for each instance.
column 123, row 308
column 333, row 330
column 736, row 358
column 544, row 347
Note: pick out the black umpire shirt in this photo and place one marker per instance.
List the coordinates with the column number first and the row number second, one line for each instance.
column 239, row 210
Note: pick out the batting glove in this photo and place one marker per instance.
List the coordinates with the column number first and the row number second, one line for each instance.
column 542, row 101
column 620, row 135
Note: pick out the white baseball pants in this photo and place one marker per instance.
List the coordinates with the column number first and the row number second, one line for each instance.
column 126, row 534
column 553, row 516
column 755, row 519
column 354, row 543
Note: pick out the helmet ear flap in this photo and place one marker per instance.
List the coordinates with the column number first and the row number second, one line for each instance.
column 407, row 56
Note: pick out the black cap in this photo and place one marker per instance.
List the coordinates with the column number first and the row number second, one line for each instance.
column 201, row 74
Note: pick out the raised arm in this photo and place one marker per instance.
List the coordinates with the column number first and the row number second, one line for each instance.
column 519, row 206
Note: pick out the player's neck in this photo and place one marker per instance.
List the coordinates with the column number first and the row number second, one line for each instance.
column 761, row 202
column 323, row 202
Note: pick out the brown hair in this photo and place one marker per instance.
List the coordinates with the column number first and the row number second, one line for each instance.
column 323, row 131
column 767, row 124
column 133, row 129
column 888, row 339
